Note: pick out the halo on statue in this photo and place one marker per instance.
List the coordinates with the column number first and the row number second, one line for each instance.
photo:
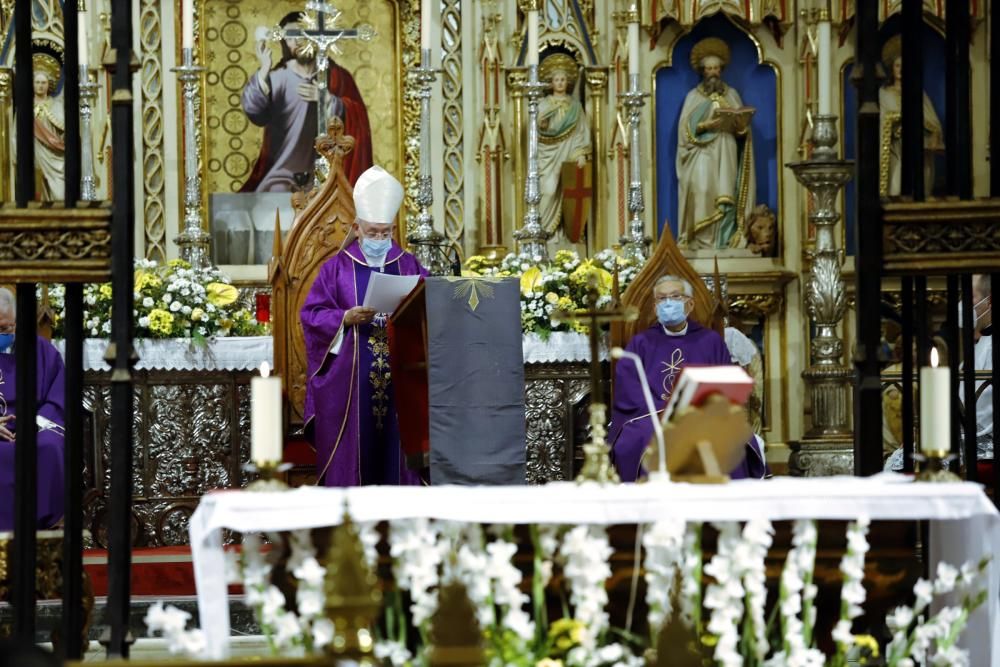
column 710, row 46
column 559, row 62
column 48, row 60
column 892, row 49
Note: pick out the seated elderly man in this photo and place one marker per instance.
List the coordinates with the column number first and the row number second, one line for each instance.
column 671, row 343
column 49, row 422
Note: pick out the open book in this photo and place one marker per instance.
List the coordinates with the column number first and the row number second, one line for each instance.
column 696, row 383
column 734, row 121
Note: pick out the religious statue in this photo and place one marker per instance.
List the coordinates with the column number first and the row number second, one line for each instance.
column 761, row 230
column 49, row 128
column 715, row 170
column 890, row 114
column 563, row 136
column 284, row 99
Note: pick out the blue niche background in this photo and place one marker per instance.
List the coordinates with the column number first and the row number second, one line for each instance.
column 757, row 85
column 934, row 85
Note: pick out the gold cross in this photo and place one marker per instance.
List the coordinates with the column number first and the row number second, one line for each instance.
column 597, row 464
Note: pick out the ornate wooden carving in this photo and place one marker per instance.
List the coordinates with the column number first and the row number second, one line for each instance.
column 666, row 259
column 319, row 231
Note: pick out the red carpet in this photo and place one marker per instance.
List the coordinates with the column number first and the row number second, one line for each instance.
column 159, row 571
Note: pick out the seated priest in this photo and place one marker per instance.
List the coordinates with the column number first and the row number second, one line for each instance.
column 49, row 422
column 350, row 407
column 672, row 342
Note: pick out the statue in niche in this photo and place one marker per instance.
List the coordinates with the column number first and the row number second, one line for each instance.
column 715, row 169
column 563, row 136
column 890, row 114
column 49, row 127
column 761, row 231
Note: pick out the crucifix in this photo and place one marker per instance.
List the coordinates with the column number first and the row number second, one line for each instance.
column 596, row 463
column 322, row 35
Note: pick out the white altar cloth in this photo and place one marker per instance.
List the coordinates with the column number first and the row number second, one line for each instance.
column 965, row 525
column 246, row 353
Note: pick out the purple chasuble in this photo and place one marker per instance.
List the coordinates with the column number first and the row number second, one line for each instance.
column 350, row 408
column 50, row 381
column 663, row 357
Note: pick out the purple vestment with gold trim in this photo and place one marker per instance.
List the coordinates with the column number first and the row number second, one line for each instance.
column 50, row 382
column 350, row 408
column 663, row 357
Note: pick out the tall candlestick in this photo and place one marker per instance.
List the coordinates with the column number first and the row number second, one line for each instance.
column 265, row 417
column 81, row 34
column 532, row 55
column 187, row 24
column 633, row 48
column 935, row 406
column 425, row 24
column 825, row 61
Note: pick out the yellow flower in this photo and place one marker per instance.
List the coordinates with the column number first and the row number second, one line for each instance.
column 197, row 314
column 161, row 321
column 586, row 269
column 178, row 264
column 566, row 303
column 531, row 280
column 552, row 297
column 221, row 294
column 105, row 290
column 565, row 256
column 469, row 273
column 866, row 643
column 144, row 279
column 549, row 662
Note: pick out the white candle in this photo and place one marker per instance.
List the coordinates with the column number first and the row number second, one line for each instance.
column 633, row 48
column 425, row 24
column 825, row 62
column 187, row 23
column 81, row 36
column 935, row 406
column 532, row 55
column 265, row 417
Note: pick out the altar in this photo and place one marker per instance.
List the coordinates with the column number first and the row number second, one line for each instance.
column 964, row 526
column 192, row 423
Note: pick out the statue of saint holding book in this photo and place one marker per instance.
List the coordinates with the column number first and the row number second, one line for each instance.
column 715, row 170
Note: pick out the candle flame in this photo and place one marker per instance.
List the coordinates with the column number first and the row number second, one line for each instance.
column 265, row 369
column 934, row 357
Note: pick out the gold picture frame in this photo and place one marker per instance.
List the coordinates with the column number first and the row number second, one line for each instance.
column 226, row 33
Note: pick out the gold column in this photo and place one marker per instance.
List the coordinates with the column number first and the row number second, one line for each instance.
column 516, row 78
column 6, row 80
column 597, row 85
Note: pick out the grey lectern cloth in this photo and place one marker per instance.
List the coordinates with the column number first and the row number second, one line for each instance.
column 476, row 378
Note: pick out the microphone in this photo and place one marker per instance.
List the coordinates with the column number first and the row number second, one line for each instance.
column 619, row 353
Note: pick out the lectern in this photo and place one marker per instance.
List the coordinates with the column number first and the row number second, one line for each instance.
column 458, row 375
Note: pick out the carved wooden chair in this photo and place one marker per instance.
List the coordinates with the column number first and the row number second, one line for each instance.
column 666, row 259
column 322, row 223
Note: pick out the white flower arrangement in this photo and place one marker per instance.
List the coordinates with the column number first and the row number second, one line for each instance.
column 915, row 637
column 852, row 593
column 796, row 595
column 561, row 284
column 586, row 551
column 664, row 545
column 517, row 633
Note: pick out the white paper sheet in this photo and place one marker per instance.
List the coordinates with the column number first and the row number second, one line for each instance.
column 385, row 292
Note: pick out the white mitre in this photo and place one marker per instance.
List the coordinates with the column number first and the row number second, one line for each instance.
column 377, row 196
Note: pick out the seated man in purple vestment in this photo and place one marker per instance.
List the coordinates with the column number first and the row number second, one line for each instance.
column 350, row 407
column 665, row 348
column 49, row 423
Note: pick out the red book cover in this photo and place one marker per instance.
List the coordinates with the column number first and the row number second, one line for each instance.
column 696, row 383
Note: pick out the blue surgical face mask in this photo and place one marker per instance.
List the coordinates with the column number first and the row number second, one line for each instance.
column 6, row 340
column 670, row 313
column 375, row 247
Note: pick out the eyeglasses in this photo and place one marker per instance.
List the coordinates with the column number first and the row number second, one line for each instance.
column 670, row 297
